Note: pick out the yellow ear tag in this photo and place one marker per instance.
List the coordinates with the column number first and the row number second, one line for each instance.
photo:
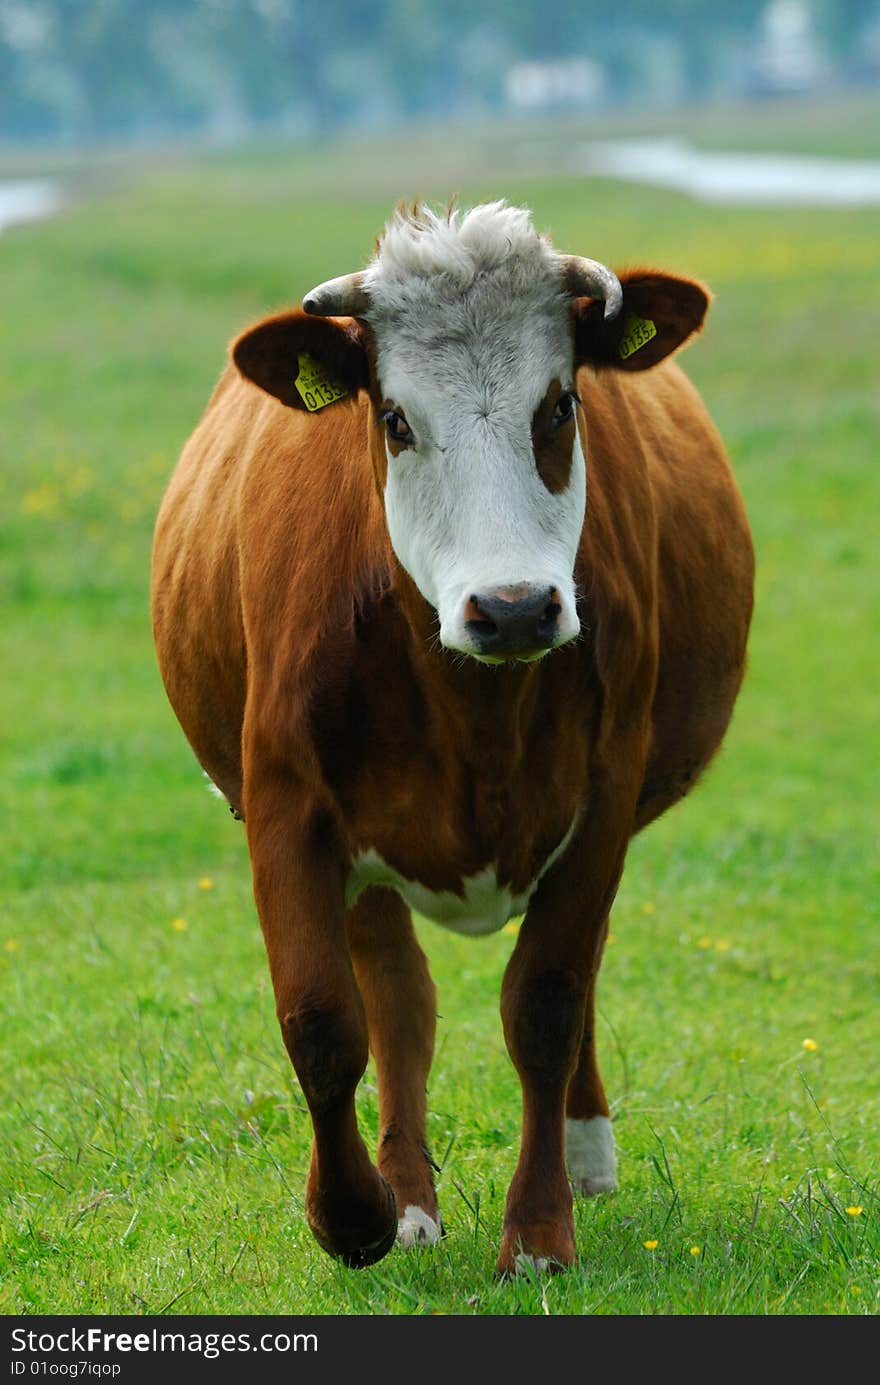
column 315, row 387
column 637, row 332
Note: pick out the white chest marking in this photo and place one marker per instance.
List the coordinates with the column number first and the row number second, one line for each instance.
column 484, row 907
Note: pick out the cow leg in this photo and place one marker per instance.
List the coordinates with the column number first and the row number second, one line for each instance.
column 544, row 1002
column 589, row 1137
column 401, row 1005
column 299, row 871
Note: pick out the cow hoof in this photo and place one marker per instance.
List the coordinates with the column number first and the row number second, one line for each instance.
column 525, row 1266
column 417, row 1228
column 362, row 1240
column 363, row 1256
column 544, row 1250
column 590, row 1155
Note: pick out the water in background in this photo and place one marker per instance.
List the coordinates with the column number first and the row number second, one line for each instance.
column 707, row 175
column 760, row 179
column 29, row 200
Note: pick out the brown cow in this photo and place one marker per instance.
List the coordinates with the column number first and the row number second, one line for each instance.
column 467, row 457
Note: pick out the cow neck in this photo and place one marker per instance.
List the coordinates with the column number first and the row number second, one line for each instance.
column 484, row 709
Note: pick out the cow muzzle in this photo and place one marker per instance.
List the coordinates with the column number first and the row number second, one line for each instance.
column 520, row 622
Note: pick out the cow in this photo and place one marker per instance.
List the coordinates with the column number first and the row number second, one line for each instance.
column 451, row 591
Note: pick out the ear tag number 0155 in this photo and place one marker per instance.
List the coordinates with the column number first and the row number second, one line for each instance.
column 637, row 332
column 315, row 387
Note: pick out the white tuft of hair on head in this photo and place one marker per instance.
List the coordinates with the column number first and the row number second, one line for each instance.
column 453, row 249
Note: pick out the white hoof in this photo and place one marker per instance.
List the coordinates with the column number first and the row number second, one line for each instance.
column 590, row 1155
column 416, row 1228
column 529, row 1265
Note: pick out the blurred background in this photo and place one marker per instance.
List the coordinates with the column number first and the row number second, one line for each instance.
column 172, row 169
column 78, row 72
column 93, row 88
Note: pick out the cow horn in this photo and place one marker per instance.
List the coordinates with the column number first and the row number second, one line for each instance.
column 342, row 297
column 587, row 278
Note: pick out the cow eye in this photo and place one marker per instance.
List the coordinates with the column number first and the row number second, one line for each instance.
column 397, row 427
column 564, row 408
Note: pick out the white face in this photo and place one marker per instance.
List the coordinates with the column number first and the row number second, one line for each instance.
column 469, row 513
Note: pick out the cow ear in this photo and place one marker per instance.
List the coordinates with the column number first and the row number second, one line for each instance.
column 305, row 362
column 659, row 313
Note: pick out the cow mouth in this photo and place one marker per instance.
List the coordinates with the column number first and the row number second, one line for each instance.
column 525, row 656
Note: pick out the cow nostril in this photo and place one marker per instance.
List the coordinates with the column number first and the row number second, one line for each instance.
column 478, row 622
column 553, row 609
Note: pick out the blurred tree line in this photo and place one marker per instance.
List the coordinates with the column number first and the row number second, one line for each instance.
column 87, row 70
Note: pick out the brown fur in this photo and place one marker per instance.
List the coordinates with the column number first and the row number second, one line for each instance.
column 303, row 666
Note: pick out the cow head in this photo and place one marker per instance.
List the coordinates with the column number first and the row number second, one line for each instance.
column 467, row 331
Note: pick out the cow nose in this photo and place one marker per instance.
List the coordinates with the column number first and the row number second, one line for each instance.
column 513, row 621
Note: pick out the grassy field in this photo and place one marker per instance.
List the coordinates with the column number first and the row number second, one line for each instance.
column 154, row 1142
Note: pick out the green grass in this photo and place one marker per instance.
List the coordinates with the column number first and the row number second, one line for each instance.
column 154, row 1142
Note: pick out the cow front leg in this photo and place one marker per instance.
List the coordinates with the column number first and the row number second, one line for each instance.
column 589, row 1136
column 401, row 1004
column 542, row 1011
column 299, row 869
column 544, row 1001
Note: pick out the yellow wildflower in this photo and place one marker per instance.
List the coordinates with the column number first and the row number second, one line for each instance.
column 11, row 945
column 695, row 1250
column 42, row 500
column 651, row 1245
column 179, row 925
column 810, row 1045
column 206, row 883
column 853, row 1211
